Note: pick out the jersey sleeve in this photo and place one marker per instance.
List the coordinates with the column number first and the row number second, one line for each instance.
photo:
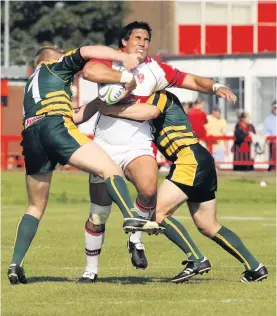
column 68, row 65
column 169, row 77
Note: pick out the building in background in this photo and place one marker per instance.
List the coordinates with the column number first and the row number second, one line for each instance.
column 233, row 42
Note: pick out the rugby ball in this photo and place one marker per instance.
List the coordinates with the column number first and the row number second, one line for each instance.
column 111, row 93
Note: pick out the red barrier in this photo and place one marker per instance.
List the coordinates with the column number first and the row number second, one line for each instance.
column 9, row 159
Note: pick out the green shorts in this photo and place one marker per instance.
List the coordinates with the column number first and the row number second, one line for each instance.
column 48, row 141
column 194, row 173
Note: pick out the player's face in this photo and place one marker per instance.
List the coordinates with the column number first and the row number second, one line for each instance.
column 138, row 43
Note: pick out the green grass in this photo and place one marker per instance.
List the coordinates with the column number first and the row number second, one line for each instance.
column 56, row 257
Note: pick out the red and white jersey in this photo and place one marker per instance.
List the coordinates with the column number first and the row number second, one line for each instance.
column 150, row 76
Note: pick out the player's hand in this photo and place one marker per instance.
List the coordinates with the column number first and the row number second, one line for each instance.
column 227, row 94
column 131, row 85
column 131, row 60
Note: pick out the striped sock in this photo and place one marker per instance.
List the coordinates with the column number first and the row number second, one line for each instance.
column 230, row 242
column 177, row 233
column 119, row 193
column 26, row 231
column 93, row 245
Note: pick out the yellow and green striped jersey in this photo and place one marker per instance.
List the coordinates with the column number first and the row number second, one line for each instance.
column 48, row 90
column 172, row 129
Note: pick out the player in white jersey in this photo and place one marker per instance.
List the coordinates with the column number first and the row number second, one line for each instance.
column 129, row 142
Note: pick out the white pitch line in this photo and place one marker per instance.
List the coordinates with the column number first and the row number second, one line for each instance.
column 236, row 218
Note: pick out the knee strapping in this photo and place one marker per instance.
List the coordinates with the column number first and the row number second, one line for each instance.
column 99, row 214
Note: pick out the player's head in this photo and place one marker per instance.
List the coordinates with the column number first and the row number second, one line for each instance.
column 216, row 112
column 199, row 103
column 47, row 53
column 135, row 38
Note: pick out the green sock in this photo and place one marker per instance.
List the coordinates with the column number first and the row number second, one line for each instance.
column 119, row 193
column 230, row 242
column 177, row 233
column 26, row 230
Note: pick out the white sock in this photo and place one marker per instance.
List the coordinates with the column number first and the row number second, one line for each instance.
column 137, row 236
column 93, row 245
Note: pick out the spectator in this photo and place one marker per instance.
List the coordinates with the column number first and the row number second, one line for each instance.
column 242, row 147
column 187, row 106
column 216, row 126
column 198, row 118
column 270, row 130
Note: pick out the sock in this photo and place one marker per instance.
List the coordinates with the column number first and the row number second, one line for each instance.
column 143, row 211
column 93, row 245
column 177, row 233
column 26, row 230
column 119, row 193
column 230, row 242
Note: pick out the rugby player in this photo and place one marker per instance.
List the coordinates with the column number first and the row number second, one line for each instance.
column 192, row 179
column 50, row 137
column 132, row 149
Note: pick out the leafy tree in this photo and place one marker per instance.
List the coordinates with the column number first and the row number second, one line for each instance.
column 66, row 24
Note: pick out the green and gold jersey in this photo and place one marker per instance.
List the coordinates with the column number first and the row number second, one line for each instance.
column 48, row 90
column 172, row 129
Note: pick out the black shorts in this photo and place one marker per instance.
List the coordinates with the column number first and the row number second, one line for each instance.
column 195, row 174
column 48, row 141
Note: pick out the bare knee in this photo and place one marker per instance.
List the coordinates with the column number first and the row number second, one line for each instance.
column 147, row 195
column 36, row 211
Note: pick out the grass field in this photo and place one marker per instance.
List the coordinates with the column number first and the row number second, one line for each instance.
column 56, row 257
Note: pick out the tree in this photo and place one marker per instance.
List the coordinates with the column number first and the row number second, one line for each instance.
column 67, row 24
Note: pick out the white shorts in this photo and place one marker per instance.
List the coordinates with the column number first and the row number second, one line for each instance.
column 122, row 155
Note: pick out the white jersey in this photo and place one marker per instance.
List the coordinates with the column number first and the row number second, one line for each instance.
column 150, row 76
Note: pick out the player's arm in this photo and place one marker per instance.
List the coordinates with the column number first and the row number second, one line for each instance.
column 85, row 112
column 173, row 77
column 129, row 61
column 208, row 86
column 137, row 111
column 75, row 60
column 101, row 72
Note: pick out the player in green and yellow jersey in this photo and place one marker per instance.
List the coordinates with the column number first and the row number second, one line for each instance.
column 192, row 179
column 50, row 136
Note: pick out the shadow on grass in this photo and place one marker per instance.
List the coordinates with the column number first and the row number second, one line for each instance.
column 121, row 280
column 48, row 279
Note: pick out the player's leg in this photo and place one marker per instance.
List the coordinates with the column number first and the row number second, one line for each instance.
column 100, row 208
column 74, row 148
column 38, row 191
column 204, row 216
column 142, row 171
column 170, row 197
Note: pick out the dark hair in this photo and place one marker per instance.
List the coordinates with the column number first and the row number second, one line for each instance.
column 128, row 29
column 190, row 105
column 273, row 103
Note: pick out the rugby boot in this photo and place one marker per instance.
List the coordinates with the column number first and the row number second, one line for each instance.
column 87, row 277
column 16, row 274
column 192, row 268
column 134, row 224
column 257, row 275
column 137, row 253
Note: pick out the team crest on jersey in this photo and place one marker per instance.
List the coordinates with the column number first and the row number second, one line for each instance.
column 140, row 78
